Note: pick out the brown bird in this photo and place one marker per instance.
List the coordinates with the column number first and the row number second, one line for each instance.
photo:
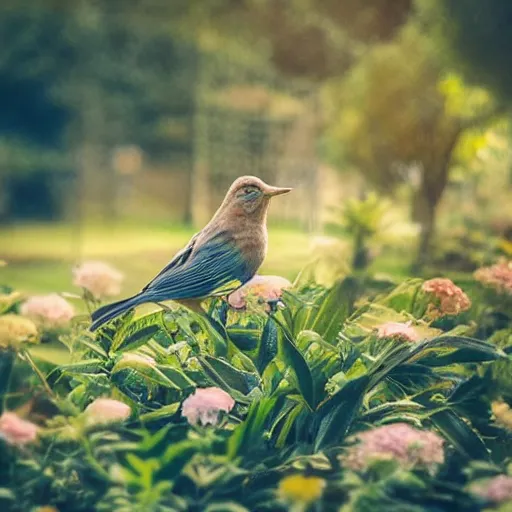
column 223, row 256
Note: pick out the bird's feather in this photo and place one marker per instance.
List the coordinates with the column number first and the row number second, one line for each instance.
column 216, row 267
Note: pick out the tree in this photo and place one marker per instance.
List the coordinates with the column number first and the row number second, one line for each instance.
column 479, row 35
column 394, row 112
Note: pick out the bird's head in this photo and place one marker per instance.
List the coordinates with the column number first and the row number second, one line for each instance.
column 250, row 194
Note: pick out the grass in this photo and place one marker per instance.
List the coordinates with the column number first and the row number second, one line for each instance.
column 40, row 257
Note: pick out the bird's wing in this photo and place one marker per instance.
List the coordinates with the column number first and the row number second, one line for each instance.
column 214, row 268
column 179, row 259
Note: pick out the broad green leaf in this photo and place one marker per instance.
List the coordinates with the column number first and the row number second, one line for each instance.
column 288, row 424
column 460, row 435
column 337, row 413
column 334, row 309
column 291, row 355
column 88, row 366
column 177, row 456
column 249, row 434
column 267, row 349
column 138, row 332
column 236, row 379
column 167, row 411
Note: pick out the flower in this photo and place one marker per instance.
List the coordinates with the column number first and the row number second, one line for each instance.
column 401, row 442
column 15, row 329
column 399, row 330
column 498, row 276
column 100, row 279
column 502, row 413
column 497, row 489
column 301, row 489
column 204, row 405
column 451, row 299
column 264, row 288
column 50, row 310
column 106, row 410
column 17, row 431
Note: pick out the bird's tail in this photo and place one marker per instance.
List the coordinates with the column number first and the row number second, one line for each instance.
column 106, row 313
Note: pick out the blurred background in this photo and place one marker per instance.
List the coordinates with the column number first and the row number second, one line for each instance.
column 123, row 122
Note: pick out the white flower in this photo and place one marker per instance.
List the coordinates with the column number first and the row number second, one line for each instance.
column 50, row 310
column 100, row 279
column 106, row 410
column 204, row 405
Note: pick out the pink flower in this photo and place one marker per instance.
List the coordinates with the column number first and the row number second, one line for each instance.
column 264, row 288
column 106, row 410
column 498, row 276
column 17, row 431
column 50, row 310
column 100, row 279
column 204, row 405
column 497, row 489
column 398, row 330
column 401, row 442
column 451, row 300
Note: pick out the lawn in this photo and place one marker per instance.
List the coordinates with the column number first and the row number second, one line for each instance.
column 40, row 257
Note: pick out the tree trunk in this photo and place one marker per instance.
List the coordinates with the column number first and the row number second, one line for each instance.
column 426, row 217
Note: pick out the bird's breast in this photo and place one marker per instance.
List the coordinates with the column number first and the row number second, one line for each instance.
column 252, row 244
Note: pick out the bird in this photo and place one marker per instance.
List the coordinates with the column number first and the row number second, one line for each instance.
column 219, row 259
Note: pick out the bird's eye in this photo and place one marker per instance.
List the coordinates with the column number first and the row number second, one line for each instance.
column 247, row 190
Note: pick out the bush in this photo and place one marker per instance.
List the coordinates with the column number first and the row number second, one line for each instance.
column 317, row 404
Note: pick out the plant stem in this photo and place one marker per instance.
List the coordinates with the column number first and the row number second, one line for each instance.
column 26, row 355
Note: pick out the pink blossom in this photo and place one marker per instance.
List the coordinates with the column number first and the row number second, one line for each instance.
column 399, row 441
column 497, row 489
column 106, row 410
column 204, row 405
column 498, row 276
column 265, row 288
column 17, row 431
column 51, row 310
column 99, row 278
column 399, row 330
column 451, row 300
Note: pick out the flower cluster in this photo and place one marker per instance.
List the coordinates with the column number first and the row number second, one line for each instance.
column 502, row 413
column 15, row 329
column 48, row 310
column 204, row 405
column 497, row 489
column 400, row 442
column 106, row 410
column 450, row 299
column 498, row 276
column 17, row 431
column 402, row 330
column 301, row 489
column 265, row 289
column 98, row 278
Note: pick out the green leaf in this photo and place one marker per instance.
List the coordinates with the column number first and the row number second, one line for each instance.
column 177, row 456
column 460, row 435
column 268, row 345
column 134, row 334
column 167, row 411
column 291, row 355
column 88, row 366
column 337, row 413
column 334, row 309
column 249, row 434
column 288, row 424
column 239, row 380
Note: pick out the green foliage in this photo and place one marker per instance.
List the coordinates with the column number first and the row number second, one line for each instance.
column 306, row 377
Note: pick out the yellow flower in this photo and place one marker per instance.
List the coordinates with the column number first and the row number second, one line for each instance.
column 14, row 330
column 301, row 489
column 503, row 414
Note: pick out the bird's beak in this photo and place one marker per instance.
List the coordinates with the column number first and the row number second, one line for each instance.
column 276, row 191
